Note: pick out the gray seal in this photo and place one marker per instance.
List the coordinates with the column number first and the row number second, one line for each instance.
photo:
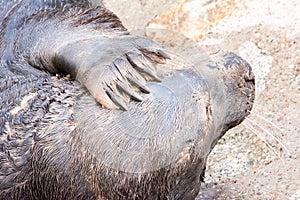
column 89, row 111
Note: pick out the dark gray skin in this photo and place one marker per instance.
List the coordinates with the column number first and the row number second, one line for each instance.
column 61, row 141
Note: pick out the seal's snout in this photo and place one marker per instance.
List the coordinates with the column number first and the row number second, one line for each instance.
column 239, row 81
column 232, row 67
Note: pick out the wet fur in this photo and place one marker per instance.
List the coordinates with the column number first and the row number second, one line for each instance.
column 44, row 153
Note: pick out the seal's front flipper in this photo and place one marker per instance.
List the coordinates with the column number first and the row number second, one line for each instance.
column 89, row 43
column 114, row 85
column 114, row 70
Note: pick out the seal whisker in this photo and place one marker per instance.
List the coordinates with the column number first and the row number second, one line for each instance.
column 251, row 128
column 270, row 134
column 266, row 120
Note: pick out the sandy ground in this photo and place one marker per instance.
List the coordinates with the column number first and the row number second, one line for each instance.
column 260, row 159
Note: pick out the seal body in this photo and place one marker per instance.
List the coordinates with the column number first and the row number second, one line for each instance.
column 130, row 122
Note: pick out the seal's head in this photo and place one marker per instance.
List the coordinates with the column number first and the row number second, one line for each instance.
column 238, row 83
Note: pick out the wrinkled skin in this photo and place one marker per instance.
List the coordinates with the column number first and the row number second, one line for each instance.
column 130, row 122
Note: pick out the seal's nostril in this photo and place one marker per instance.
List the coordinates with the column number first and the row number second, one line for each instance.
column 249, row 71
column 249, row 76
